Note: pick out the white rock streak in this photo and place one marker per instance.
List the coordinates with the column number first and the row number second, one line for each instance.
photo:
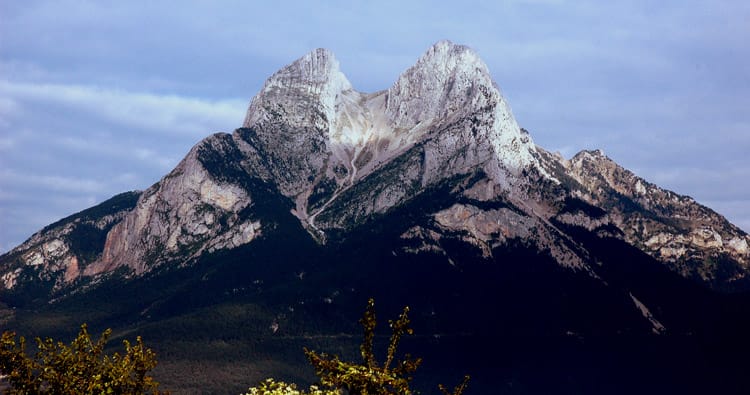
column 656, row 326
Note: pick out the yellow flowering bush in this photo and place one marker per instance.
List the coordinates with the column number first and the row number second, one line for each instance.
column 272, row 387
column 79, row 368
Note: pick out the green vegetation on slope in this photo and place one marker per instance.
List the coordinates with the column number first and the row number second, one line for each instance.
column 83, row 367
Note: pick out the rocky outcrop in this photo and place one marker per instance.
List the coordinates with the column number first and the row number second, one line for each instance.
column 493, row 228
column 687, row 236
column 59, row 253
column 190, row 211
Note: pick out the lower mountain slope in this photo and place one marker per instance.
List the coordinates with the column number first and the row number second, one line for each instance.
column 237, row 316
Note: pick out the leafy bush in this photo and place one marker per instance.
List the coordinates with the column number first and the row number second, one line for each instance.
column 79, row 368
column 366, row 378
column 272, row 387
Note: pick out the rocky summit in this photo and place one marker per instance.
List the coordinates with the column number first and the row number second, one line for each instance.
column 427, row 193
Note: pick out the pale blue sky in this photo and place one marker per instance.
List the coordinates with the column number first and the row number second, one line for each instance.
column 101, row 97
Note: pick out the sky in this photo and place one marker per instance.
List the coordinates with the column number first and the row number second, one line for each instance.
column 98, row 98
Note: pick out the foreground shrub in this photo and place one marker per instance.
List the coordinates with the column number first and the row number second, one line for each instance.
column 272, row 387
column 368, row 377
column 79, row 368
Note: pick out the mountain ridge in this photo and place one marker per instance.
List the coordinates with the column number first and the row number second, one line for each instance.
column 340, row 157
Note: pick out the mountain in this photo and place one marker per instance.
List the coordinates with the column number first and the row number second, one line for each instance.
column 427, row 193
column 342, row 158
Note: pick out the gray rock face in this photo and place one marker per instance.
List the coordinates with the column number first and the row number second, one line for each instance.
column 325, row 145
column 190, row 211
column 341, row 158
column 451, row 89
column 289, row 122
column 490, row 229
column 61, row 252
column 689, row 237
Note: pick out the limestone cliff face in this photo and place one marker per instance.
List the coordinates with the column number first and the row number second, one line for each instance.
column 290, row 121
column 190, row 211
column 450, row 93
column 441, row 142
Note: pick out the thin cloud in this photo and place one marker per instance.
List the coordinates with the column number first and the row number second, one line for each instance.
column 51, row 183
column 170, row 114
column 150, row 155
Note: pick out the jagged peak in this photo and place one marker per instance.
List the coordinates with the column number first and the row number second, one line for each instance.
column 444, row 57
column 446, row 74
column 448, row 83
column 596, row 155
column 317, row 66
column 315, row 74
